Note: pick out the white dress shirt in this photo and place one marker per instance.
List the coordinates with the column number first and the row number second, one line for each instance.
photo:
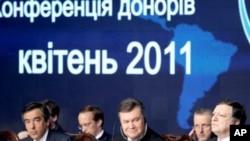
column 225, row 139
column 44, row 137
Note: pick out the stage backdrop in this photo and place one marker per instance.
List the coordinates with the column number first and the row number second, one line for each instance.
column 174, row 55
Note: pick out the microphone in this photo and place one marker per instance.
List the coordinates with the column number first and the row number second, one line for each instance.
column 113, row 131
column 123, row 135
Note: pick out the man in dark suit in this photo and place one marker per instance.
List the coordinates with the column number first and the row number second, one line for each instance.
column 36, row 118
column 133, row 123
column 91, row 120
column 202, row 125
column 227, row 112
column 54, row 111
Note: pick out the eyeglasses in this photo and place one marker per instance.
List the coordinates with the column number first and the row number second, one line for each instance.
column 202, row 126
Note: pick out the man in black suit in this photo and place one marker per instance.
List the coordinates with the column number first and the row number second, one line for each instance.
column 91, row 120
column 36, row 118
column 227, row 112
column 202, row 125
column 54, row 111
column 133, row 123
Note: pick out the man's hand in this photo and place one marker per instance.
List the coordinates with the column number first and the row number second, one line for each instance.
column 22, row 135
column 192, row 134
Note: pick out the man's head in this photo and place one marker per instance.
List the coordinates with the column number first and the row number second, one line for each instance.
column 227, row 112
column 202, row 124
column 54, row 111
column 91, row 119
column 132, row 118
column 36, row 119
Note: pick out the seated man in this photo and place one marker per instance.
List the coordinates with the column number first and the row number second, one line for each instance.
column 227, row 112
column 36, row 120
column 91, row 120
column 133, row 123
column 54, row 111
column 202, row 125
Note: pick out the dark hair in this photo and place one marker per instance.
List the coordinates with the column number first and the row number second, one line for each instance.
column 129, row 104
column 36, row 105
column 97, row 112
column 53, row 108
column 239, row 111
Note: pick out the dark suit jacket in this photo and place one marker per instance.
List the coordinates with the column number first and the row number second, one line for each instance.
column 105, row 137
column 54, row 136
column 213, row 139
column 149, row 136
column 58, row 128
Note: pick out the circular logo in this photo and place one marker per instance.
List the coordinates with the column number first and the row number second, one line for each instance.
column 244, row 18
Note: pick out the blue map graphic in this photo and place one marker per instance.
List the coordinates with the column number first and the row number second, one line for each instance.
column 218, row 33
column 209, row 58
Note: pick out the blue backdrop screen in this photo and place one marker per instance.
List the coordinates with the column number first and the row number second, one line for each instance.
column 173, row 55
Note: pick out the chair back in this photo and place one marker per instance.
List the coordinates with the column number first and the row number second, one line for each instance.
column 171, row 137
column 8, row 136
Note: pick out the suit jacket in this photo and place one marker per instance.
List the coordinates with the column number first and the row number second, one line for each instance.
column 213, row 139
column 58, row 128
column 149, row 136
column 54, row 136
column 105, row 137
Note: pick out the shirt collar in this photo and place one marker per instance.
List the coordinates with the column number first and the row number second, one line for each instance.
column 98, row 136
column 225, row 139
column 44, row 137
